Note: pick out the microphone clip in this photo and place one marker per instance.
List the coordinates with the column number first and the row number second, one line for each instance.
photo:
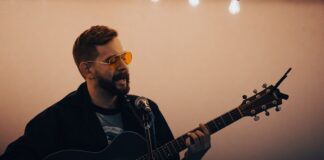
column 143, row 104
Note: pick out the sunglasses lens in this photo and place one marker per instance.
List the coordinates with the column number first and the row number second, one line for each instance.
column 113, row 60
column 127, row 57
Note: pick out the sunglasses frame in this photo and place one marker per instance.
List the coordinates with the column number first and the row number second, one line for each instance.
column 107, row 61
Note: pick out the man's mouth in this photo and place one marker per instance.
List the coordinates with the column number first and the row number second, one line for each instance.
column 121, row 76
column 121, row 82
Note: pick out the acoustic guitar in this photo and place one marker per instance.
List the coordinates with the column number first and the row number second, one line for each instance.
column 136, row 148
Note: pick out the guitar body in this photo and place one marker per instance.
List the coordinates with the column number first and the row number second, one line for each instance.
column 126, row 146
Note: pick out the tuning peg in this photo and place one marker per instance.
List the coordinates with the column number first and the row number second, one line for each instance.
column 244, row 97
column 278, row 108
column 255, row 91
column 274, row 102
column 267, row 113
column 264, row 85
column 257, row 96
column 264, row 107
column 252, row 112
column 256, row 118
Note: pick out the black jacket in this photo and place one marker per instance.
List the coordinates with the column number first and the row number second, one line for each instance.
column 72, row 124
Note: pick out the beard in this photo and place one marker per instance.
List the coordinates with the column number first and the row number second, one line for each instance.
column 111, row 85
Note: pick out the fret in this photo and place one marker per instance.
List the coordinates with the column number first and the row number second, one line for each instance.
column 166, row 151
column 169, row 149
column 210, row 127
column 177, row 144
column 215, row 124
column 175, row 150
column 235, row 114
column 241, row 114
column 230, row 116
column 227, row 119
column 182, row 143
column 160, row 154
column 165, row 154
column 220, row 123
column 223, row 120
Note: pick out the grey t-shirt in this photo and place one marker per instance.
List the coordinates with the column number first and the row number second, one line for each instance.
column 111, row 123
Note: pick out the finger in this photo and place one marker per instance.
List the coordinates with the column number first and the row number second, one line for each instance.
column 200, row 135
column 192, row 141
column 207, row 137
column 204, row 129
column 187, row 142
column 204, row 141
column 203, row 136
column 194, row 137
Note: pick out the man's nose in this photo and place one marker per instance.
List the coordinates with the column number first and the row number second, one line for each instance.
column 121, row 65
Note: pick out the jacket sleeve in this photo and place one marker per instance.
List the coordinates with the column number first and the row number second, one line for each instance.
column 38, row 140
column 162, row 129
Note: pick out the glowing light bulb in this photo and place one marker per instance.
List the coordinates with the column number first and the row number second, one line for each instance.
column 155, row 1
column 234, row 7
column 194, row 3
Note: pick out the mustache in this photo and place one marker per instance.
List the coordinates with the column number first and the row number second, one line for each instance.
column 121, row 75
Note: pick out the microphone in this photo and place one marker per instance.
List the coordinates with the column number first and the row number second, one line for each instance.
column 142, row 103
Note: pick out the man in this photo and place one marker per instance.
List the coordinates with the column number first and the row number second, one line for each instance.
column 99, row 110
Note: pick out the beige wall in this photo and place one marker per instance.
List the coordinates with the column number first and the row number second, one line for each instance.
column 194, row 62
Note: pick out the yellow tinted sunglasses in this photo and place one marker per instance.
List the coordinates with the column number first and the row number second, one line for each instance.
column 126, row 57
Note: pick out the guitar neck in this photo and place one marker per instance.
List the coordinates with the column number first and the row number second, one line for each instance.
column 175, row 146
column 269, row 97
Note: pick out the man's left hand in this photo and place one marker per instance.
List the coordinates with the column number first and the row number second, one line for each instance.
column 198, row 143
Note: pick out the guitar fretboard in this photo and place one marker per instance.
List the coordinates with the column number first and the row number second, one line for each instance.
column 175, row 146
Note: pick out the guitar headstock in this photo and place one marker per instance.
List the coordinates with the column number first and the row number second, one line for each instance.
column 268, row 98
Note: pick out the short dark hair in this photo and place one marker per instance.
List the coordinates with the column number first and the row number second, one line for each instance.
column 84, row 48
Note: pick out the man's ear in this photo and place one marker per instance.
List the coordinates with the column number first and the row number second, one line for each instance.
column 86, row 70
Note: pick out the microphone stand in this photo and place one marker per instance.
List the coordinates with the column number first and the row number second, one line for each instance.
column 147, row 119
